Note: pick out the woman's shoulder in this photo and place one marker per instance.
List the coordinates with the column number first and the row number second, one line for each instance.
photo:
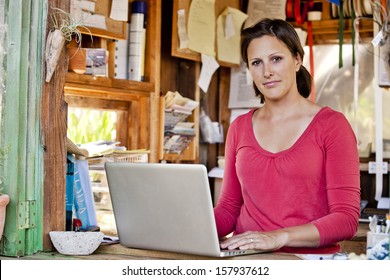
column 243, row 118
column 329, row 119
column 329, row 114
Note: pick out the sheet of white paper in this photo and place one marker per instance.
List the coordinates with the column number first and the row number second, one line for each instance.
column 302, row 34
column 87, row 6
column 94, row 20
column 229, row 26
column 77, row 7
column 258, row 9
column 384, row 203
column 119, row 10
column 234, row 113
column 182, row 29
column 209, row 65
column 216, row 172
column 242, row 93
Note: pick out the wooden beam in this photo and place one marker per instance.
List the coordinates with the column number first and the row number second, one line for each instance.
column 54, row 126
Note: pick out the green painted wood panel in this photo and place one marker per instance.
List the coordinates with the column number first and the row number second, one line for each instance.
column 20, row 128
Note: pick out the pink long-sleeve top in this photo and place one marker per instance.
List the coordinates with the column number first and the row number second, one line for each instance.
column 316, row 180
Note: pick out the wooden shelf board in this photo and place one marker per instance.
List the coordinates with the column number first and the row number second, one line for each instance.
column 125, row 85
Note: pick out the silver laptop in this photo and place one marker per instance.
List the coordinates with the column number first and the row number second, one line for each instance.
column 165, row 207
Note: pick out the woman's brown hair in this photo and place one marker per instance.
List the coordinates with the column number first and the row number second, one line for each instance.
column 285, row 33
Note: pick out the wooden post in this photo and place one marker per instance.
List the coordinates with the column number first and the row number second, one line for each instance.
column 54, row 126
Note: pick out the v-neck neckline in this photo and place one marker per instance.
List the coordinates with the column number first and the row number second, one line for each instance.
column 300, row 138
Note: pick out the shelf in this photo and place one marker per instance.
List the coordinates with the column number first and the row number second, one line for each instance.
column 119, row 33
column 114, row 29
column 327, row 31
column 106, row 88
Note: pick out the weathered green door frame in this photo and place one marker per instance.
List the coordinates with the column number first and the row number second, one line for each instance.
column 25, row 23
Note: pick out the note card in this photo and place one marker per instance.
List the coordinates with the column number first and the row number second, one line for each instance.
column 228, row 35
column 201, row 27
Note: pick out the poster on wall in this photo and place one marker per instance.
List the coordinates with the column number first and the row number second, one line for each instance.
column 242, row 93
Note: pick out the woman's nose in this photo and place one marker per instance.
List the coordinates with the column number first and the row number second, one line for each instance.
column 267, row 72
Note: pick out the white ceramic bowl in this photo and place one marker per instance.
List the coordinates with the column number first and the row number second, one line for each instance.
column 76, row 243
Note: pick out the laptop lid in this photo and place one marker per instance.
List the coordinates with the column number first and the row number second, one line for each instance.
column 164, row 207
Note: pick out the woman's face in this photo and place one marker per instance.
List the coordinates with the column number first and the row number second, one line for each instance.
column 273, row 67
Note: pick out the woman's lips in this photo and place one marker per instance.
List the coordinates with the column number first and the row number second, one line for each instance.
column 270, row 84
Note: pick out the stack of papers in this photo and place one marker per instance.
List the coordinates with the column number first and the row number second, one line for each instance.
column 178, row 133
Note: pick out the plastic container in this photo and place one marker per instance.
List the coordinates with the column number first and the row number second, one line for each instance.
column 137, row 41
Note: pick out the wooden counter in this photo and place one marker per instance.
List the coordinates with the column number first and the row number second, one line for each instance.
column 118, row 252
column 358, row 243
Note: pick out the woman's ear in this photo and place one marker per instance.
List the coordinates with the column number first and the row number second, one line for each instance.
column 298, row 62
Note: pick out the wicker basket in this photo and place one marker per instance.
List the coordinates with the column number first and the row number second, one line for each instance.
column 134, row 158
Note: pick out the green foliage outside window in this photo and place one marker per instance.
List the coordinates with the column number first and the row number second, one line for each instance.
column 86, row 125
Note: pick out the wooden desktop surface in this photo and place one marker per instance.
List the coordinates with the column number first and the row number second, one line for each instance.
column 118, row 252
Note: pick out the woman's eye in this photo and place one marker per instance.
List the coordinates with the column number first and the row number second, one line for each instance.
column 255, row 62
column 276, row 58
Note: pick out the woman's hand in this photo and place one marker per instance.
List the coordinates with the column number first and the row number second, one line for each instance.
column 267, row 241
column 298, row 236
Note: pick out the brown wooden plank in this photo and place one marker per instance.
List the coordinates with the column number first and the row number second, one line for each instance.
column 92, row 91
column 121, row 126
column 109, row 82
column 224, row 113
column 153, row 70
column 94, row 103
column 54, row 126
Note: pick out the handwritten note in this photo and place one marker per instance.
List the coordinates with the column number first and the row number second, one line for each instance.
column 201, row 27
column 242, row 93
column 228, row 35
column 209, row 66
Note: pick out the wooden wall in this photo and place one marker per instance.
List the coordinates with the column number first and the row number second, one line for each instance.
column 181, row 75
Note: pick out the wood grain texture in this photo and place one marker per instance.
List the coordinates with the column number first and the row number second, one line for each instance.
column 54, row 126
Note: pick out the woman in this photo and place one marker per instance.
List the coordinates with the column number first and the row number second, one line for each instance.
column 291, row 180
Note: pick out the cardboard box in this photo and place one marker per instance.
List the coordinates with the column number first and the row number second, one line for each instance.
column 88, row 61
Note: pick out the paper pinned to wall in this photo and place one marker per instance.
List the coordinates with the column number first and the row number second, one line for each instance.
column 201, row 26
column 119, row 10
column 77, row 8
column 229, row 24
column 87, row 6
column 182, row 29
column 209, row 66
column 242, row 93
column 258, row 9
column 94, row 20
